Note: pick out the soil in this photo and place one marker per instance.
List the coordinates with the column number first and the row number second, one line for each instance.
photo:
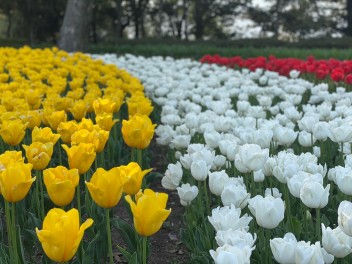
column 166, row 245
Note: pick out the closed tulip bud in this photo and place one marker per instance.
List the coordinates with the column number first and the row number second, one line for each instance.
column 66, row 130
column 15, row 181
column 148, row 211
column 199, row 170
column 80, row 156
column 39, row 154
column 268, row 211
column 44, row 135
column 217, row 181
column 79, row 110
column 106, row 187
column 105, row 121
column 134, row 177
column 13, row 131
column 138, row 131
column 187, row 193
column 55, row 118
column 62, row 233
column 60, row 184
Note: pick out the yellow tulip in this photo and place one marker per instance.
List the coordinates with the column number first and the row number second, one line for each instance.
column 39, row 154
column 86, row 124
column 103, row 137
column 138, row 104
column 15, row 181
column 134, row 177
column 103, row 106
column 106, row 187
column 79, row 110
column 105, row 121
column 148, row 211
column 34, row 98
column 138, row 131
column 44, row 135
column 80, row 156
column 13, row 131
column 62, row 234
column 55, row 118
column 66, row 130
column 85, row 136
column 60, row 183
column 33, row 118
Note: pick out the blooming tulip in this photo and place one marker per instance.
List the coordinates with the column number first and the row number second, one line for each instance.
column 13, row 131
column 336, row 242
column 81, row 156
column 60, row 183
column 55, row 118
column 44, row 135
column 106, row 187
column 231, row 254
column 79, row 110
column 283, row 249
column 172, row 177
column 85, row 136
column 66, row 130
column 103, row 106
column 62, row 234
column 149, row 211
column 105, row 121
column 15, row 181
column 39, row 154
column 314, row 195
column 138, row 131
column 344, row 219
column 134, row 177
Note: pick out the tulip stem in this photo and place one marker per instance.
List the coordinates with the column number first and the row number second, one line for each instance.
column 318, row 225
column 140, row 158
column 40, row 180
column 78, row 190
column 206, row 196
column 144, row 241
column 37, row 198
column 108, row 230
column 9, row 231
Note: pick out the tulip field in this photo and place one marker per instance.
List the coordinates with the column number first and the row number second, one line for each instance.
column 259, row 153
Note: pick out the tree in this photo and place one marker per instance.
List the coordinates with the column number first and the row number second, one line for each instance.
column 138, row 8
column 74, row 33
column 348, row 30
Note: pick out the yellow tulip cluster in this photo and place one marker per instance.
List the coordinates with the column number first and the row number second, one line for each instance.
column 47, row 95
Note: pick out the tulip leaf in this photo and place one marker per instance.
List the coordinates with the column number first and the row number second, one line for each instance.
column 131, row 258
column 152, row 177
column 296, row 226
column 325, row 220
column 127, row 233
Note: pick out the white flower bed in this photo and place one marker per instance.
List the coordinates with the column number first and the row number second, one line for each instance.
column 241, row 117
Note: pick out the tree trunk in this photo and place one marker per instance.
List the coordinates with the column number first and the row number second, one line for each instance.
column 349, row 18
column 198, row 19
column 119, row 14
column 74, row 33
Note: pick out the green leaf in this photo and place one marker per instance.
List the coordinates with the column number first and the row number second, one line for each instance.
column 127, row 233
column 131, row 258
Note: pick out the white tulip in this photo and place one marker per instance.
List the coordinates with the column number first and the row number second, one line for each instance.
column 217, row 181
column 321, row 130
column 307, row 123
column 314, row 195
column 307, row 254
column 343, row 179
column 344, row 219
column 268, row 211
column 187, row 193
column 219, row 161
column 336, row 242
column 341, row 134
column 229, row 217
column 199, row 170
column 172, row 177
column 258, row 176
column 305, row 139
column 212, row 139
column 238, row 238
column 231, row 255
column 180, row 141
column 283, row 249
column 252, row 156
column 236, row 195
column 285, row 136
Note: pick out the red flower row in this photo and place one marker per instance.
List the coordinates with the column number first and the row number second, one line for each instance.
column 336, row 70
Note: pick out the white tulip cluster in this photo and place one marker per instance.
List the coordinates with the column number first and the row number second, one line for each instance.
column 242, row 128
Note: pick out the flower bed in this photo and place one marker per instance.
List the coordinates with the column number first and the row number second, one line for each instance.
column 82, row 127
column 260, row 161
column 335, row 70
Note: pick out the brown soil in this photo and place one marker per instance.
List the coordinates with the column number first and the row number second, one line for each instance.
column 166, row 245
